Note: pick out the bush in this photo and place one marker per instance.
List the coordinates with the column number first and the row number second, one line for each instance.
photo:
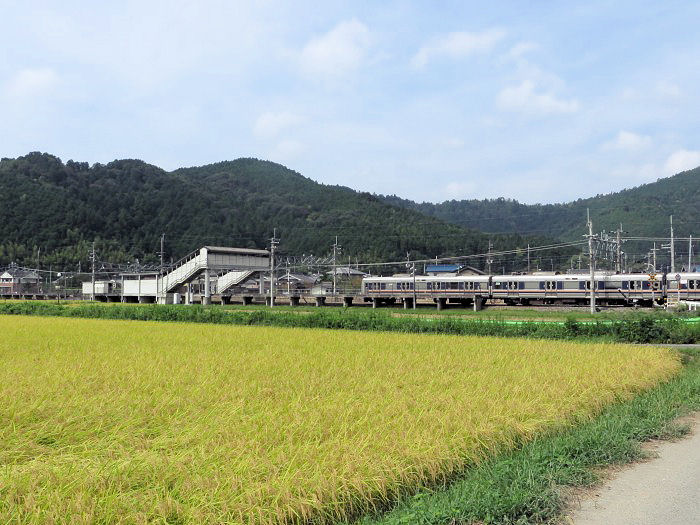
column 653, row 328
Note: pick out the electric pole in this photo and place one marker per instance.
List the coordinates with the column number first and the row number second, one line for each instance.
column 489, row 259
column 162, row 252
column 274, row 241
column 618, row 259
column 93, row 270
column 592, row 259
column 528, row 257
column 336, row 250
column 690, row 254
column 673, row 248
column 653, row 253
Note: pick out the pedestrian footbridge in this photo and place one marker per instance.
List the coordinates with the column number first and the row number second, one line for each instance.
column 234, row 265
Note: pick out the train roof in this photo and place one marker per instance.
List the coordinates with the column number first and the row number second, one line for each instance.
column 446, row 278
column 547, row 277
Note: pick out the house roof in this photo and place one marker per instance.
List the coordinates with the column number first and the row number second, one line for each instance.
column 442, row 268
column 345, row 270
column 19, row 273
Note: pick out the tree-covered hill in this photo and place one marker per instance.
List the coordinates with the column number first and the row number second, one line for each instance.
column 642, row 211
column 52, row 211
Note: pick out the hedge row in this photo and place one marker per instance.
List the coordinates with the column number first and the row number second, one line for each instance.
column 641, row 329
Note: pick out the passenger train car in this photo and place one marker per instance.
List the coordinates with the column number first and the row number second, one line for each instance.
column 611, row 289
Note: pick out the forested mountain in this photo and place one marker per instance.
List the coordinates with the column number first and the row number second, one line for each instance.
column 642, row 211
column 51, row 212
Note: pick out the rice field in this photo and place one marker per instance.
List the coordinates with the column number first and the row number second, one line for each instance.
column 135, row 422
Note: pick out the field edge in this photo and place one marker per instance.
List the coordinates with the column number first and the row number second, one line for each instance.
column 533, row 483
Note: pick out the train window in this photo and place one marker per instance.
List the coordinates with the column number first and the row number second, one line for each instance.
column 461, row 285
column 497, row 285
column 382, row 286
column 550, row 285
column 693, row 284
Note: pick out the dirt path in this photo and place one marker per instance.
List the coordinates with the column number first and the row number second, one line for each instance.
column 664, row 490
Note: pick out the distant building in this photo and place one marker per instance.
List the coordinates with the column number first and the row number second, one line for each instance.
column 346, row 271
column 15, row 281
column 451, row 269
column 296, row 282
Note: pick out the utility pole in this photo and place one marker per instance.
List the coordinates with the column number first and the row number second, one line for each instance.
column 653, row 254
column 618, row 259
column 162, row 252
column 274, row 241
column 336, row 250
column 528, row 257
column 673, row 248
column 412, row 267
column 592, row 259
column 489, row 259
column 288, row 279
column 690, row 253
column 93, row 270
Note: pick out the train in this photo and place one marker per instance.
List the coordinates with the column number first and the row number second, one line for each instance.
column 625, row 289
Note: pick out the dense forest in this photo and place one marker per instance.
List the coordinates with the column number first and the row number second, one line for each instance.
column 642, row 211
column 51, row 212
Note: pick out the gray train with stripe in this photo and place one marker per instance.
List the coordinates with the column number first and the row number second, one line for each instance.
column 610, row 289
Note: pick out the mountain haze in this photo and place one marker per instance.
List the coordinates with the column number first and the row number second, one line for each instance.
column 643, row 210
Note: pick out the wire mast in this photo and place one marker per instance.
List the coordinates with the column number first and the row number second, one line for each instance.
column 274, row 241
column 591, row 254
column 92, row 260
column 336, row 251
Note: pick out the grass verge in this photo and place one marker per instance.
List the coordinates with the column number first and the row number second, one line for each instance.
column 633, row 329
column 525, row 486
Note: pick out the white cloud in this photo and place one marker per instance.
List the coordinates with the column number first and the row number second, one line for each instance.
column 668, row 89
column 626, row 140
column 460, row 190
column 269, row 124
column 681, row 160
column 29, row 83
column 455, row 143
column 525, row 99
column 633, row 175
column 338, row 52
column 287, row 149
column 457, row 45
column 521, row 48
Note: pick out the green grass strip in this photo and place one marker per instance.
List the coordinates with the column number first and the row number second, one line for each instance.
column 637, row 329
column 525, row 486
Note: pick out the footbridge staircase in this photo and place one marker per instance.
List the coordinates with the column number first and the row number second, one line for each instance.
column 236, row 265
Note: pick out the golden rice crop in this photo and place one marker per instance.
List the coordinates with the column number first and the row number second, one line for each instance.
column 122, row 421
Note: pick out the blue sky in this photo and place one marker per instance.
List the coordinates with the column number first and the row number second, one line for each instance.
column 537, row 101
